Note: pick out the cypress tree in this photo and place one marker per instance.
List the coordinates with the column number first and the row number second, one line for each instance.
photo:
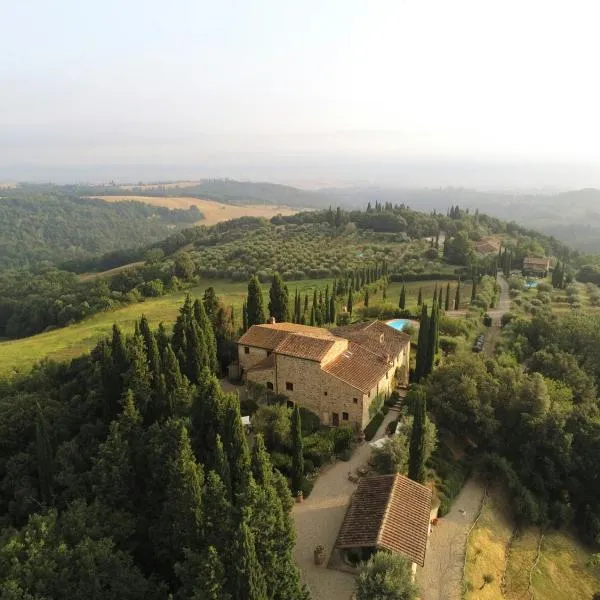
column 326, row 318
column 221, row 465
column 402, row 301
column 416, row 456
column 384, row 293
column 421, row 358
column 474, row 290
column 332, row 309
column 197, row 354
column 218, row 524
column 236, row 449
column 151, row 347
column 207, row 415
column 312, row 316
column 244, row 317
column 349, row 307
column 432, row 339
column 367, row 298
column 315, row 301
column 162, row 337
column 137, row 377
column 447, row 302
column 44, row 456
column 457, row 297
column 261, row 466
column 206, row 327
column 255, row 304
column 202, row 576
column 176, row 385
column 435, row 293
column 119, row 355
column 420, row 298
column 279, row 299
column 248, row 582
column 210, row 302
column 305, row 303
column 297, row 451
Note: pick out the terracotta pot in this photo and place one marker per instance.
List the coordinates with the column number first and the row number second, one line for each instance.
column 319, row 556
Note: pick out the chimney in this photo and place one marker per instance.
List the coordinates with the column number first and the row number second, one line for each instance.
column 271, row 320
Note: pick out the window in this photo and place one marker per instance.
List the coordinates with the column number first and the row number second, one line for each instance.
column 289, row 386
column 246, row 350
column 268, row 353
column 344, row 416
column 269, row 385
column 335, row 419
column 355, row 400
column 324, row 393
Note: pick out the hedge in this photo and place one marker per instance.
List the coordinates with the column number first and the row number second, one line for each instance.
column 373, row 426
column 424, row 277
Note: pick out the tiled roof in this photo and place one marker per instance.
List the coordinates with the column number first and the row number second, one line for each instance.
column 534, row 261
column 305, row 346
column 264, row 364
column 390, row 512
column 358, row 367
column 375, row 336
column 269, row 335
column 485, row 247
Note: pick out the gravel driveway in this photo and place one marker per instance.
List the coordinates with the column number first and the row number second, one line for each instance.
column 318, row 521
column 441, row 577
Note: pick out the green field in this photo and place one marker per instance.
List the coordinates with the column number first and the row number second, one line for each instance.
column 72, row 341
column 68, row 342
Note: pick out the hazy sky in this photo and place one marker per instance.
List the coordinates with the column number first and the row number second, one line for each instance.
column 102, row 82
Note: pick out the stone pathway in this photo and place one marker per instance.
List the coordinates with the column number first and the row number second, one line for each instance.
column 318, row 521
column 441, row 577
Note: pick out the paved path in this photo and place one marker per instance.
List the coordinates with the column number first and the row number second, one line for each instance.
column 503, row 303
column 318, row 521
column 441, row 577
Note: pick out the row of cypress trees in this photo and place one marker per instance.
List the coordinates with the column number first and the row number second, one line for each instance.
column 446, row 301
column 428, row 340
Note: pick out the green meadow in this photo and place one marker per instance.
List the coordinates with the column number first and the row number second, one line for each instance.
column 68, row 342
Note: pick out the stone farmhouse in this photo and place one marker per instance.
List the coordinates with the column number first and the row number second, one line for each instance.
column 535, row 266
column 337, row 374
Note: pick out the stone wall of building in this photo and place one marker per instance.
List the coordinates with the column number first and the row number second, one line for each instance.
column 254, row 356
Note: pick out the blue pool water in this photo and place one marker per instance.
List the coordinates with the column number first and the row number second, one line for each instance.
column 398, row 324
column 531, row 284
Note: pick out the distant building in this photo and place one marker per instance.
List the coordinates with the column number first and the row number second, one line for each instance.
column 535, row 266
column 388, row 512
column 336, row 373
column 486, row 246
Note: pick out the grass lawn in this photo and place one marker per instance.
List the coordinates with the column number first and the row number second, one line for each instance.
column 560, row 574
column 72, row 341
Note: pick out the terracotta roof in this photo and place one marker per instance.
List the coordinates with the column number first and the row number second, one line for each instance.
column 485, row 247
column 305, row 346
column 370, row 334
column 359, row 367
column 269, row 335
column 534, row 261
column 390, row 512
column 264, row 364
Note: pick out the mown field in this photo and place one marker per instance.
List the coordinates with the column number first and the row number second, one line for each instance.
column 214, row 212
column 508, row 558
column 72, row 341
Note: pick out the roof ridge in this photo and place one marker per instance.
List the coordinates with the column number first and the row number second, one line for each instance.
column 387, row 509
column 381, row 356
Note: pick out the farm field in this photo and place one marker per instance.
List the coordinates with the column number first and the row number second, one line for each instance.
column 214, row 212
column 68, row 342
column 560, row 573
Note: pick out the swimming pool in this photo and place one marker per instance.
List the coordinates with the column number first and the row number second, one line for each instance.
column 531, row 284
column 398, row 324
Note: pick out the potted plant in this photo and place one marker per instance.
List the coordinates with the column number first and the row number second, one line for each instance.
column 299, row 496
column 361, row 436
column 319, row 555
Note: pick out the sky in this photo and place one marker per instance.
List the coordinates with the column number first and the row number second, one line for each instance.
column 229, row 82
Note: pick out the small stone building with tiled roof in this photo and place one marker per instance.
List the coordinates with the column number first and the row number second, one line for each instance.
column 336, row 373
column 388, row 512
column 536, row 266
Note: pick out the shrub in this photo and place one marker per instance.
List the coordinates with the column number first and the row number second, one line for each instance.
column 373, row 426
column 345, row 454
column 309, row 420
column 448, row 345
column 342, row 438
column 452, row 327
column 386, row 575
column 306, row 487
column 487, row 320
column 544, row 287
column 282, row 462
column 309, row 466
column 274, row 423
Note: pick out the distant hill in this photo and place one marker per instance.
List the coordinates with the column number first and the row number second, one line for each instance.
column 48, row 227
column 227, row 191
column 573, row 217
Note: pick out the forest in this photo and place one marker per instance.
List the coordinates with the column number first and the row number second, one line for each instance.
column 127, row 474
column 39, row 228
